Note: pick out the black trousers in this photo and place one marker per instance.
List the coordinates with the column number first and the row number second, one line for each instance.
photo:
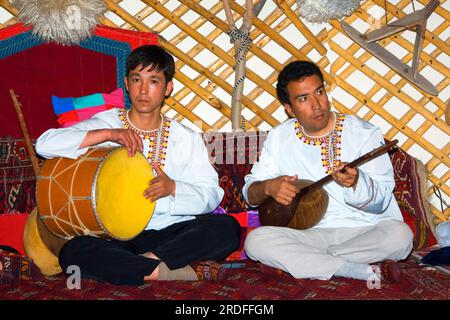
column 207, row 237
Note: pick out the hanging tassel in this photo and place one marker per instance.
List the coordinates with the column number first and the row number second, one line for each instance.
column 319, row 11
column 65, row 22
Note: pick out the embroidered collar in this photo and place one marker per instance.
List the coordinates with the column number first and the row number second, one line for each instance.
column 124, row 117
column 330, row 144
column 157, row 147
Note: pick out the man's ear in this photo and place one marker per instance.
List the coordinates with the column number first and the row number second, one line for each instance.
column 169, row 89
column 288, row 110
column 125, row 81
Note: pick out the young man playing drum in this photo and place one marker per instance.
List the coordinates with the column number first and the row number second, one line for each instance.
column 179, row 240
column 362, row 223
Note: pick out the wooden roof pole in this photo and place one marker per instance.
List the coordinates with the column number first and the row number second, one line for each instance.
column 241, row 42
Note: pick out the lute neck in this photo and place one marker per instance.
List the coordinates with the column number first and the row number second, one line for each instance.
column 357, row 162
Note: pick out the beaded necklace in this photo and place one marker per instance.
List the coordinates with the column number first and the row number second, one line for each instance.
column 330, row 144
column 158, row 138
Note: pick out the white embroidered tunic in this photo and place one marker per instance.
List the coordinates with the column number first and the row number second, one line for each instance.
column 180, row 152
column 288, row 150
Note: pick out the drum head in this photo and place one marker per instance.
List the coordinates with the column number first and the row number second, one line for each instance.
column 118, row 192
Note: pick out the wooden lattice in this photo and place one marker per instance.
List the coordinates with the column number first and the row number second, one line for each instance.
column 195, row 33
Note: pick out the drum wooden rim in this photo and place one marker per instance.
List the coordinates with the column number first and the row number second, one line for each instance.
column 94, row 188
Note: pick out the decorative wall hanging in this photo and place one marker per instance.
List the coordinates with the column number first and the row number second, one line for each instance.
column 318, row 11
column 417, row 20
column 62, row 21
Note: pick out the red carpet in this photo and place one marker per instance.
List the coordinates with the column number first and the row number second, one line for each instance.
column 254, row 282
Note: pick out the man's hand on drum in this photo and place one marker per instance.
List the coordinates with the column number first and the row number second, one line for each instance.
column 127, row 138
column 347, row 179
column 282, row 189
column 160, row 186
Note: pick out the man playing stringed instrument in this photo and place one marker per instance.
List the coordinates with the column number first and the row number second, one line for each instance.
column 362, row 224
column 180, row 238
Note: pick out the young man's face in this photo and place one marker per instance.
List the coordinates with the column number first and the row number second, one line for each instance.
column 147, row 89
column 309, row 104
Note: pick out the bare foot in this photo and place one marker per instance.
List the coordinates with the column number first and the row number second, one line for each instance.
column 150, row 255
column 154, row 274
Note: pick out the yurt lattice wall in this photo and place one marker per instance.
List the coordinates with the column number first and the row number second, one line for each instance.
column 195, row 32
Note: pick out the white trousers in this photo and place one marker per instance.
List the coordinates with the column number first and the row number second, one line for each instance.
column 319, row 253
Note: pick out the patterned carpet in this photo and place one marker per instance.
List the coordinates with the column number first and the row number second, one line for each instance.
column 254, row 282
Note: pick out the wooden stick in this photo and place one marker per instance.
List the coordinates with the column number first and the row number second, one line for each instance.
column 114, row 7
column 9, row 7
column 304, row 30
column 447, row 113
column 23, row 126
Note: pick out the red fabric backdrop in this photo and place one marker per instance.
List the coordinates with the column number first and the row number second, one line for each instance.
column 37, row 73
column 49, row 69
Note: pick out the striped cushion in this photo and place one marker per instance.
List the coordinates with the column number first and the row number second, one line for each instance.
column 72, row 110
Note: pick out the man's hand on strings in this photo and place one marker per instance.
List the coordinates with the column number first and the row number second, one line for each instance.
column 283, row 189
column 347, row 179
column 160, row 186
column 127, row 138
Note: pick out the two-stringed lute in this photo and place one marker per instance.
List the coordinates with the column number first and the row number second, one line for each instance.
column 310, row 204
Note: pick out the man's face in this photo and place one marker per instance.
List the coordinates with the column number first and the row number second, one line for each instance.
column 309, row 104
column 147, row 89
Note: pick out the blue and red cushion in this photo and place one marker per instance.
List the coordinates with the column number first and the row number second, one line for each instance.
column 73, row 110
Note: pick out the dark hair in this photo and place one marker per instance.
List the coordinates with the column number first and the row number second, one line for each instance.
column 294, row 71
column 154, row 56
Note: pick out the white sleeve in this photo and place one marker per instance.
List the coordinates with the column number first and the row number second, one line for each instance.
column 65, row 142
column 197, row 189
column 266, row 167
column 374, row 189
